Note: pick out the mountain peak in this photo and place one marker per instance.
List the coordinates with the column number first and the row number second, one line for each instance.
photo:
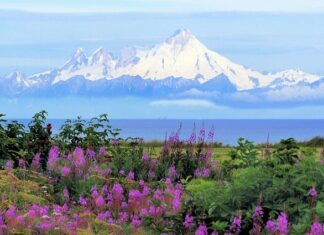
column 181, row 36
column 100, row 57
column 79, row 53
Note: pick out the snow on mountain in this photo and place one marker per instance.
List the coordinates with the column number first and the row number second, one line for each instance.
column 181, row 56
column 184, row 56
column 291, row 78
column 98, row 66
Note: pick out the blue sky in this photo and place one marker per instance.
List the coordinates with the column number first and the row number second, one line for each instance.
column 164, row 5
column 267, row 36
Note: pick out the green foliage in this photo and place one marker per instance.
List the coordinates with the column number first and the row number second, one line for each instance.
column 203, row 193
column 244, row 155
column 39, row 138
column 127, row 157
column 92, row 133
column 286, row 152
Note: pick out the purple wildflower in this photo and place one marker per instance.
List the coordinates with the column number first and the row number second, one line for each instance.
column 236, row 225
column 91, row 153
column 66, row 194
column 316, row 229
column 11, row 212
column 9, row 165
column 52, row 163
column 202, row 230
column 136, row 221
column 131, row 175
column 21, row 163
column 31, row 213
column 312, row 192
column 145, row 157
column 102, row 151
column 65, row 171
column 283, row 223
column 36, row 161
column 100, row 202
column 271, row 226
column 258, row 214
column 188, row 223
column 82, row 201
column 172, row 172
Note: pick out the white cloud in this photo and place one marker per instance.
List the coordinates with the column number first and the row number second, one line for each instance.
column 198, row 93
column 296, row 94
column 184, row 103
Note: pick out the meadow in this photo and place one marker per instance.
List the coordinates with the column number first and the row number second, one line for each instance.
column 86, row 180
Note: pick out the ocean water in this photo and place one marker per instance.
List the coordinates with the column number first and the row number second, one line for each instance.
column 226, row 131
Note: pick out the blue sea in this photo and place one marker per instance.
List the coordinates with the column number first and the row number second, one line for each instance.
column 226, row 131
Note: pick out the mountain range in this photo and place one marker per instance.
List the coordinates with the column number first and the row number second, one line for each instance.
column 181, row 66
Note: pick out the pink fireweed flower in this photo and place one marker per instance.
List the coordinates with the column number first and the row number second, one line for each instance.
column 131, row 175
column 202, row 134
column 145, row 157
column 136, row 221
column 210, row 137
column 65, row 171
column 105, row 189
column 82, row 201
column 91, row 153
column 192, row 138
column 20, row 219
column 258, row 214
column 134, row 200
column 66, row 194
column 176, row 200
column 158, row 195
column 94, row 192
column 117, row 196
column 312, row 192
column 36, row 162
column 8, row 165
column 102, row 151
column 31, row 213
column 43, row 211
column 21, row 163
column 151, row 174
column 283, row 223
column 236, row 225
column 189, row 222
column 45, row 225
column 316, row 229
column 322, row 161
column 121, row 173
column 100, row 202
column 124, row 205
column 202, row 230
column 53, row 159
column 122, row 217
column 271, row 226
column 172, row 172
column 79, row 158
column 146, row 190
column 141, row 183
column 2, row 224
column 101, row 216
column 11, row 212
column 117, row 189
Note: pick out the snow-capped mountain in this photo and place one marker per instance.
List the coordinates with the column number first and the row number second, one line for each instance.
column 178, row 64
